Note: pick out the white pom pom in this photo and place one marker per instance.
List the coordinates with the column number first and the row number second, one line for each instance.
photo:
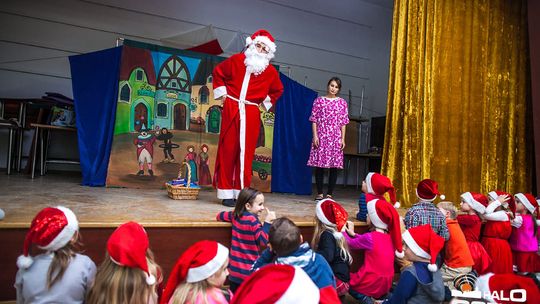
column 537, row 222
column 432, row 267
column 248, row 41
column 337, row 235
column 150, row 280
column 2, row 214
column 24, row 262
column 442, row 197
column 400, row 255
column 397, row 205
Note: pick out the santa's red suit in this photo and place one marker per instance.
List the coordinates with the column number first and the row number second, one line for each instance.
column 243, row 92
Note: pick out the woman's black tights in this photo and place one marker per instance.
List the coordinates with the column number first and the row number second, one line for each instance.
column 319, row 180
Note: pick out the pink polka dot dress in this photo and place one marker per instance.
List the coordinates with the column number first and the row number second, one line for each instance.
column 330, row 114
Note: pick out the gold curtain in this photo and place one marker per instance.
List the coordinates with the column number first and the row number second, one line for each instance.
column 458, row 109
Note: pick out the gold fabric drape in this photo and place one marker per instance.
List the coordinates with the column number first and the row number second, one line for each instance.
column 457, row 97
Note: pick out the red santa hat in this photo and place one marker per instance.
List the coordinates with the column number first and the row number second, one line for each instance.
column 385, row 216
column 477, row 201
column 425, row 243
column 507, row 288
column 530, row 203
column 127, row 246
column 332, row 214
column 427, row 190
column 278, row 284
column 199, row 262
column 379, row 184
column 51, row 229
column 493, row 195
column 262, row 36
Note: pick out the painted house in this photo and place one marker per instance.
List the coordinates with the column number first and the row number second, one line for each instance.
column 207, row 116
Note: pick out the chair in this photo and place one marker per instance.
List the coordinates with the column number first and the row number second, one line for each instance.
column 12, row 126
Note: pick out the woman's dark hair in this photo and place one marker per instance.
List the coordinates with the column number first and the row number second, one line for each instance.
column 337, row 80
column 247, row 195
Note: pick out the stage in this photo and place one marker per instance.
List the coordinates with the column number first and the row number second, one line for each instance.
column 172, row 225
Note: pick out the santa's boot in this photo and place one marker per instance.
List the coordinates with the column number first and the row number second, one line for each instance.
column 150, row 172
column 229, row 202
column 141, row 172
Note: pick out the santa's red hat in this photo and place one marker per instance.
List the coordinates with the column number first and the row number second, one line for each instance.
column 477, row 201
column 384, row 216
column 51, row 229
column 425, row 243
column 427, row 190
column 127, row 247
column 330, row 213
column 507, row 288
column 379, row 184
column 530, row 203
column 493, row 195
column 277, row 284
column 199, row 262
column 264, row 37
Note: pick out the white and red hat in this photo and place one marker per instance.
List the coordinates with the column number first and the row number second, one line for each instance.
column 477, row 201
column 530, row 203
column 379, row 184
column 127, row 247
column 507, row 288
column 199, row 262
column 51, row 229
column 332, row 214
column 262, row 36
column 278, row 284
column 494, row 202
column 384, row 216
column 425, row 243
column 427, row 190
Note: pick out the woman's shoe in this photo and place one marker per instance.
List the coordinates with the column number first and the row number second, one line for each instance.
column 329, row 196
column 319, row 197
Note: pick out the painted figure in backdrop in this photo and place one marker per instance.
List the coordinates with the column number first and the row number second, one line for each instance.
column 329, row 117
column 205, row 178
column 244, row 82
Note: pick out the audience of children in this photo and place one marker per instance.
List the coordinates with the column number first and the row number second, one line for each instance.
column 199, row 275
column 59, row 275
column 524, row 237
column 248, row 235
column 328, row 241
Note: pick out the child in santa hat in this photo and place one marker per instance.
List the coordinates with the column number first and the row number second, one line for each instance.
column 375, row 276
column 128, row 273
column 424, row 211
column 248, row 235
column 376, row 185
column 328, row 241
column 495, row 235
column 420, row 282
column 524, row 238
column 198, row 275
column 457, row 256
column 60, row 275
column 473, row 204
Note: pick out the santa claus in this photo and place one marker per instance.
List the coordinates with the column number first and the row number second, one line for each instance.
column 245, row 82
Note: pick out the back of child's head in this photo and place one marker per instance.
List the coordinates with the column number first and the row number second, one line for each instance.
column 128, row 273
column 448, row 206
column 331, row 217
column 55, row 229
column 284, row 236
column 246, row 196
column 189, row 279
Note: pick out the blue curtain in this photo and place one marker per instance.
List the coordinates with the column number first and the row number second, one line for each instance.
column 292, row 139
column 95, row 87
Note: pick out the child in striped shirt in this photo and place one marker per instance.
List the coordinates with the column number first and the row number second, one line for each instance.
column 248, row 235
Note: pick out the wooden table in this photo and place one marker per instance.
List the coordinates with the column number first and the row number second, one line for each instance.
column 358, row 156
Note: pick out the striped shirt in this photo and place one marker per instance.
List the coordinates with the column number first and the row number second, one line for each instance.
column 248, row 235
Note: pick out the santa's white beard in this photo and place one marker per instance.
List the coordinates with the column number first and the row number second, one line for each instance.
column 256, row 62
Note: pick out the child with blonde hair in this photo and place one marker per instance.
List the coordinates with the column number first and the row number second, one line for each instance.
column 61, row 275
column 328, row 241
column 199, row 275
column 128, row 273
column 248, row 235
column 524, row 238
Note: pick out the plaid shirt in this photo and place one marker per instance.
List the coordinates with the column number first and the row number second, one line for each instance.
column 423, row 213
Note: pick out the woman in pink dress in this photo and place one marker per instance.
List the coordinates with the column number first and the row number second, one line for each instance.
column 329, row 116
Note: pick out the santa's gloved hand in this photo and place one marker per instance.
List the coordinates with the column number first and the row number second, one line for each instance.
column 517, row 222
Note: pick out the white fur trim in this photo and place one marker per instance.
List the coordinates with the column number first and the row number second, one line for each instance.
column 368, row 183
column 220, row 91
column 205, row 271
column 24, row 262
column 523, row 199
column 409, row 240
column 423, row 199
column 432, row 267
column 375, row 219
column 301, row 290
column 266, row 41
column 468, row 198
column 320, row 213
column 482, row 285
column 248, row 40
column 242, row 113
column 267, row 102
column 66, row 234
column 225, row 193
column 400, row 255
column 492, row 195
column 150, row 279
column 492, row 206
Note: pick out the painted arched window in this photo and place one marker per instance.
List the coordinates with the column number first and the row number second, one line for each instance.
column 125, row 93
column 174, row 75
column 161, row 110
column 203, row 95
